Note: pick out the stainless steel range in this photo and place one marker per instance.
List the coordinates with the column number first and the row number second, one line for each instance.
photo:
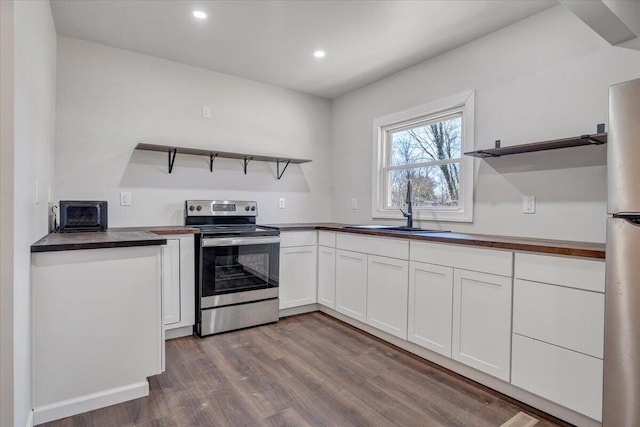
column 237, row 266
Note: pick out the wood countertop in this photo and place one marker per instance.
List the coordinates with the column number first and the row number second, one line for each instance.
column 96, row 240
column 163, row 230
column 554, row 247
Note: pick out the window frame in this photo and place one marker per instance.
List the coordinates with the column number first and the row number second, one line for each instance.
column 462, row 103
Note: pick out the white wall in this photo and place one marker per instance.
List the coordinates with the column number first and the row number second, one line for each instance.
column 111, row 99
column 545, row 77
column 34, row 109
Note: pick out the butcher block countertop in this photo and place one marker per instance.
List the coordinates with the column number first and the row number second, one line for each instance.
column 554, row 247
column 96, row 240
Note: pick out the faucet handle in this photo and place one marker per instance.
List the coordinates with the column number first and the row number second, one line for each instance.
column 405, row 214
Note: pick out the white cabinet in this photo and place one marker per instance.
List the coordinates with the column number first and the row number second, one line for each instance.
column 482, row 321
column 558, row 330
column 563, row 376
column 387, row 289
column 178, row 282
column 431, row 306
column 171, row 282
column 327, row 276
column 297, row 276
column 351, row 284
column 96, row 328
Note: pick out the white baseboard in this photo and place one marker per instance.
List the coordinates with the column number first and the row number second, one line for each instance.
column 185, row 331
column 67, row 408
column 309, row 308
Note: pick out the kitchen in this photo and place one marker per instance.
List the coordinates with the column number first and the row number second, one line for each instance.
column 91, row 94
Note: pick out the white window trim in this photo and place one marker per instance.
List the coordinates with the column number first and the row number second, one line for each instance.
column 464, row 212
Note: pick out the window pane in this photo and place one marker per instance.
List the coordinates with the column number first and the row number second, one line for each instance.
column 426, row 143
column 432, row 186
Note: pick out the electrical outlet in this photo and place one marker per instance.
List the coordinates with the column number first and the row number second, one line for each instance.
column 529, row 204
column 125, row 198
column 206, row 111
column 281, row 203
column 354, row 204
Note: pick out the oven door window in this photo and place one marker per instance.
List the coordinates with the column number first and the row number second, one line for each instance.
column 227, row 269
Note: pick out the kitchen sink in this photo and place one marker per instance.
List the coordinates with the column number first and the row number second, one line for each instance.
column 394, row 228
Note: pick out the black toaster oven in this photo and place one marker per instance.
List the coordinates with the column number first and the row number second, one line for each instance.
column 82, row 215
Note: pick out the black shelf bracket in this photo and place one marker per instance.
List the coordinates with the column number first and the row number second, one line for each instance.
column 487, row 154
column 172, row 158
column 246, row 162
column 212, row 157
column 592, row 140
column 283, row 169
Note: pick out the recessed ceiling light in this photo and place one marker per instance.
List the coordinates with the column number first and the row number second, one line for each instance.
column 199, row 14
column 319, row 53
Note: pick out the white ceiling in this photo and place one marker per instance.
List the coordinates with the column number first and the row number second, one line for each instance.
column 273, row 41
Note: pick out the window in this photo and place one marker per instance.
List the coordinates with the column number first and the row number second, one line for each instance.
column 425, row 145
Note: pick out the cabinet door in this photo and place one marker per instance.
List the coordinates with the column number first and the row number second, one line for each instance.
column 431, row 306
column 482, row 321
column 298, row 276
column 351, row 284
column 171, row 282
column 387, row 289
column 327, row 276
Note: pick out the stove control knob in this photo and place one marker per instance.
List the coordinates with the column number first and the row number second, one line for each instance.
column 246, row 208
column 192, row 208
column 253, row 208
column 199, row 208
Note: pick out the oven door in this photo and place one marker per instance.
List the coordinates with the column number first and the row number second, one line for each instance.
column 238, row 269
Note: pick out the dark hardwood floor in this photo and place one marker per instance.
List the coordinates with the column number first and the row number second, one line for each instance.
column 307, row 370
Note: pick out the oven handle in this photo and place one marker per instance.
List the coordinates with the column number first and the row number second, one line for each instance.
column 239, row 241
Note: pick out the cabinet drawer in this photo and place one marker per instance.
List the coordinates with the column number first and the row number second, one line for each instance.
column 483, row 260
column 387, row 247
column 566, row 271
column 566, row 317
column 298, row 238
column 563, row 376
column 327, row 238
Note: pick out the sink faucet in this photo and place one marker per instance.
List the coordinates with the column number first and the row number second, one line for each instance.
column 409, row 213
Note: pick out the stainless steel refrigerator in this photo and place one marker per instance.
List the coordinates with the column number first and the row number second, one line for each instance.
column 622, row 299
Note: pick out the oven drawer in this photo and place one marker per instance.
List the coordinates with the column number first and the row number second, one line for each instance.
column 222, row 319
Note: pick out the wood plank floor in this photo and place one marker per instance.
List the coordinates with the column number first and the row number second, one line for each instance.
column 307, row 370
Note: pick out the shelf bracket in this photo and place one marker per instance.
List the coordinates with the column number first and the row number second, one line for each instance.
column 487, row 154
column 591, row 140
column 246, row 162
column 172, row 158
column 212, row 157
column 283, row 169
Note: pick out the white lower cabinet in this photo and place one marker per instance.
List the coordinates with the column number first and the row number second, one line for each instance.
column 171, row 282
column 298, row 276
column 482, row 321
column 387, row 289
column 327, row 276
column 351, row 284
column 563, row 376
column 178, row 282
column 431, row 306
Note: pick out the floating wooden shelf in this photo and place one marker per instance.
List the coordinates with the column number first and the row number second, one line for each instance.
column 576, row 141
column 213, row 154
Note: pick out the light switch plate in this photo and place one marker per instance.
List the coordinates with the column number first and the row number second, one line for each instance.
column 281, row 203
column 125, row 198
column 529, row 204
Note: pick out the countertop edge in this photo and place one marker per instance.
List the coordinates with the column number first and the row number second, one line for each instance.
column 549, row 248
column 96, row 245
